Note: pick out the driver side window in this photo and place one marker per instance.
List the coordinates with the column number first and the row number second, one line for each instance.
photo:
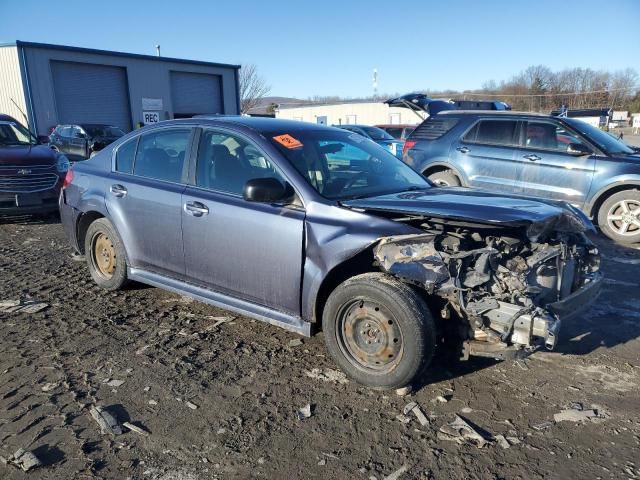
column 227, row 162
column 549, row 136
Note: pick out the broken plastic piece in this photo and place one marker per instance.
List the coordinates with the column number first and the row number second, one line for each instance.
column 107, row 422
column 460, row 431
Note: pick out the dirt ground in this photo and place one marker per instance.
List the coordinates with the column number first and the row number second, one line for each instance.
column 220, row 399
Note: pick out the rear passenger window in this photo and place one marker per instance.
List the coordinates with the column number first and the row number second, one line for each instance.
column 124, row 156
column 160, row 155
column 494, row 132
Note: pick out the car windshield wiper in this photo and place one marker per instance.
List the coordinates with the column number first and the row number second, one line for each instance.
column 378, row 194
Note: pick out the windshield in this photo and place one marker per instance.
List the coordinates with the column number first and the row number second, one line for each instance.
column 376, row 133
column 103, row 131
column 603, row 140
column 341, row 165
column 15, row 134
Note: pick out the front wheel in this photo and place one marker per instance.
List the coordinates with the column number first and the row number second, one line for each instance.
column 619, row 217
column 379, row 331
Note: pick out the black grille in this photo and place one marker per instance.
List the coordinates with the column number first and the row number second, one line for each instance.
column 27, row 179
column 433, row 128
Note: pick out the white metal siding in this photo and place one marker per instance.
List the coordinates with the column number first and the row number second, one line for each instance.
column 90, row 93
column 196, row 93
column 11, row 84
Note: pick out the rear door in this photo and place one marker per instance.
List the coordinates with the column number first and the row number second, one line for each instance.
column 248, row 250
column 546, row 170
column 486, row 153
column 145, row 198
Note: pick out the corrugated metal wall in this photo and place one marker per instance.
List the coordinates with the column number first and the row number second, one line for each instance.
column 11, row 84
column 89, row 93
column 196, row 93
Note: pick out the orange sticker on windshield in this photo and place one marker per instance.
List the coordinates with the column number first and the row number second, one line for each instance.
column 287, row 140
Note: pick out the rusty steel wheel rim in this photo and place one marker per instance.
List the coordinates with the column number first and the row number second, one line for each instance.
column 624, row 217
column 369, row 337
column 103, row 255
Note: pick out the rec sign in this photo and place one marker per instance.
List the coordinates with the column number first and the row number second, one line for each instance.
column 150, row 117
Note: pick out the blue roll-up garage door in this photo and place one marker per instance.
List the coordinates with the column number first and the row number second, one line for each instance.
column 195, row 94
column 91, row 93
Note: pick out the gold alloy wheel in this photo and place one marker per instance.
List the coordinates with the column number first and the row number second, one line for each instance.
column 104, row 255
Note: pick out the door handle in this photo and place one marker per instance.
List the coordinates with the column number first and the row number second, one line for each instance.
column 463, row 149
column 118, row 190
column 196, row 209
column 532, row 157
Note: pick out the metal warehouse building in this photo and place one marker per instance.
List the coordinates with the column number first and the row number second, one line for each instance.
column 55, row 84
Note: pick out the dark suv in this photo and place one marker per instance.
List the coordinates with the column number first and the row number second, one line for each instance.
column 31, row 173
column 299, row 224
column 80, row 142
column 541, row 156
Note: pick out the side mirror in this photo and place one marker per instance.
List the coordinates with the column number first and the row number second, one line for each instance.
column 578, row 149
column 43, row 140
column 265, row 190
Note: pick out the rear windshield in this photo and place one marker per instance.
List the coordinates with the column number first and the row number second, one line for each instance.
column 433, row 128
column 342, row 165
column 103, row 131
column 376, row 133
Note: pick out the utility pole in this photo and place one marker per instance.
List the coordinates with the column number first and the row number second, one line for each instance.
column 375, row 82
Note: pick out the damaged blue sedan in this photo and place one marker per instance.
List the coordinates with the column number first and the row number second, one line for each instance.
column 309, row 227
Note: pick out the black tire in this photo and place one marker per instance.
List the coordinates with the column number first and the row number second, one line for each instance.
column 405, row 340
column 619, row 225
column 444, row 178
column 108, row 267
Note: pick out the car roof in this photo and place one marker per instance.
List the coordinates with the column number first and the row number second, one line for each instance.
column 96, row 125
column 497, row 113
column 395, row 125
column 258, row 124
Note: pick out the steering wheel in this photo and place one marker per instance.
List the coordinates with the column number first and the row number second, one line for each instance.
column 354, row 179
column 171, row 152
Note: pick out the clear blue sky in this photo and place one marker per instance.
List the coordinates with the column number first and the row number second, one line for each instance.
column 330, row 47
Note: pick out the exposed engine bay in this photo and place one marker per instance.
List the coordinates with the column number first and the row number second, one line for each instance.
column 503, row 290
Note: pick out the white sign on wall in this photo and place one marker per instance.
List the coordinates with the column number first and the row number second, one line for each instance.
column 151, row 103
column 150, row 117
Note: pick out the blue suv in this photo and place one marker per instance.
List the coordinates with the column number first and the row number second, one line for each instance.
column 535, row 155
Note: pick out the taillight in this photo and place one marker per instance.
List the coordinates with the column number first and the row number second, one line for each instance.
column 68, row 178
column 408, row 145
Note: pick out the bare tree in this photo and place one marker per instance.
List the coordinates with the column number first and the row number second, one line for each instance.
column 253, row 88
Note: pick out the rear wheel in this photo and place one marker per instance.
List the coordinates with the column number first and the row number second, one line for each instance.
column 619, row 217
column 379, row 331
column 105, row 255
column 444, row 178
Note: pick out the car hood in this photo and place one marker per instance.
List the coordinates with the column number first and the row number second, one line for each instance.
column 25, row 155
column 418, row 102
column 472, row 206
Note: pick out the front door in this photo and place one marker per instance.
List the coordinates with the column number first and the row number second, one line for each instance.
column 486, row 154
column 144, row 199
column 244, row 249
column 546, row 169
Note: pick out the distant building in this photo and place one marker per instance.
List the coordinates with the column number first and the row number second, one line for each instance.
column 598, row 117
column 365, row 113
column 55, row 84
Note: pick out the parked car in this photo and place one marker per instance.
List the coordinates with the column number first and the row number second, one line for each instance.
column 31, row 173
column 535, row 155
column 399, row 132
column 378, row 135
column 80, row 142
column 270, row 219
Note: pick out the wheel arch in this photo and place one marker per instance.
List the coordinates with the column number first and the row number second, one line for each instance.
column 434, row 167
column 599, row 198
column 82, row 225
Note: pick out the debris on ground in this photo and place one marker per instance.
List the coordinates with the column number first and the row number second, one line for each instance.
column 192, row 406
column 76, row 257
column 219, row 321
column 574, row 415
column 403, row 418
column 398, row 473
column 25, row 459
column 502, row 441
column 461, row 432
column 114, row 383
column 401, row 392
column 295, row 342
column 440, row 399
column 542, row 426
column 327, row 375
column 412, row 407
column 22, row 306
column 304, row 412
column 136, row 429
column 47, row 387
column 107, row 422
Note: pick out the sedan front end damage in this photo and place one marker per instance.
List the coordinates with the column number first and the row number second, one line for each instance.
column 502, row 291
